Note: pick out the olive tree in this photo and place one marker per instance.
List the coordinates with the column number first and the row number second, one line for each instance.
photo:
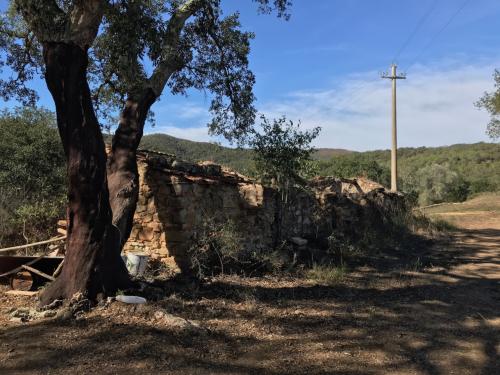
column 111, row 59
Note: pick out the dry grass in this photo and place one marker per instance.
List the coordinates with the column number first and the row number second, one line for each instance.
column 480, row 211
column 326, row 274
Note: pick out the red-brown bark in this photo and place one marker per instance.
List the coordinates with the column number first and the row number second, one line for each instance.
column 92, row 263
column 123, row 175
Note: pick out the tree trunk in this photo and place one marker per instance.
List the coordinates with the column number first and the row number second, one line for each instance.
column 123, row 175
column 92, row 263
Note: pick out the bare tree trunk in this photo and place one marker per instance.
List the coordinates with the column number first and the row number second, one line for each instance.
column 92, row 264
column 123, row 175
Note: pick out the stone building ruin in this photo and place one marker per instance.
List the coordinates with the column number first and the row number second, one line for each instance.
column 177, row 196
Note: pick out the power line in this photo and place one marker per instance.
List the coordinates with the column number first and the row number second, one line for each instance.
column 419, row 24
column 433, row 39
column 358, row 91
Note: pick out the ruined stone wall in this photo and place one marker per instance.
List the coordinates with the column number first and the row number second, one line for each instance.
column 176, row 197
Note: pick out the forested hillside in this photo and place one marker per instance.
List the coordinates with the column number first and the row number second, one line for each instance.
column 33, row 187
column 470, row 168
column 238, row 159
column 478, row 163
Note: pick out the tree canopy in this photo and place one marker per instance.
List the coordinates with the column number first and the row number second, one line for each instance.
column 491, row 102
column 32, row 175
column 144, row 44
column 355, row 165
column 282, row 152
column 115, row 58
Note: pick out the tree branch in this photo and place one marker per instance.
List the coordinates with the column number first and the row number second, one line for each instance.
column 227, row 82
column 51, row 24
column 170, row 62
column 84, row 20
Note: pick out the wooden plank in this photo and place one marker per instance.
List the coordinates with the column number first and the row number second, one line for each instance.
column 62, row 223
column 61, row 231
column 21, row 293
column 39, row 273
column 33, row 244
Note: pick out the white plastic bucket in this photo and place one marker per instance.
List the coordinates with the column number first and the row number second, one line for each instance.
column 137, row 263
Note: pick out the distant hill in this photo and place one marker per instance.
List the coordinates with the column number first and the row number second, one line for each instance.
column 237, row 158
column 328, row 153
column 479, row 163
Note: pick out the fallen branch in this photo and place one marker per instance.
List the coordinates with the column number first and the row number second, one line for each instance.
column 32, row 244
column 37, row 272
column 21, row 293
column 58, row 269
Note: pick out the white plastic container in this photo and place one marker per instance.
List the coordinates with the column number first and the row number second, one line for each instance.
column 131, row 299
column 137, row 263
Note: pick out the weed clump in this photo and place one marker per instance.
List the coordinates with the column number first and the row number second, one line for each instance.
column 328, row 274
column 219, row 249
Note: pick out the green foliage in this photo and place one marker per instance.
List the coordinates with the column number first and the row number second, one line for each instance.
column 419, row 222
column 477, row 165
column 216, row 249
column 437, row 183
column 355, row 165
column 458, row 191
column 491, row 102
column 22, row 53
column 282, row 152
column 32, row 174
column 143, row 46
column 238, row 159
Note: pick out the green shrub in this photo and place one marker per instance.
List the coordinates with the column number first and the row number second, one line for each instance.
column 32, row 175
column 282, row 154
column 218, row 249
column 355, row 165
column 438, row 183
column 340, row 247
column 482, row 186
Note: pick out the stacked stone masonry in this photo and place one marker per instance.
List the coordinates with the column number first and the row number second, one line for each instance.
column 176, row 197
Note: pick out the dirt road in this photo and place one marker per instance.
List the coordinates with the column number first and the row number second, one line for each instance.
column 439, row 313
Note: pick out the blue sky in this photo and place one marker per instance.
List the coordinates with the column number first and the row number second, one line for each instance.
column 322, row 68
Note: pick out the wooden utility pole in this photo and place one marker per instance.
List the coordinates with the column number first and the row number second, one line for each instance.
column 394, row 151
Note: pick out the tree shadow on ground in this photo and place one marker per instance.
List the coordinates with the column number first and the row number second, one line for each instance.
column 433, row 321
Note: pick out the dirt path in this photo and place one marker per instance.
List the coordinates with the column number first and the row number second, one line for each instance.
column 442, row 317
